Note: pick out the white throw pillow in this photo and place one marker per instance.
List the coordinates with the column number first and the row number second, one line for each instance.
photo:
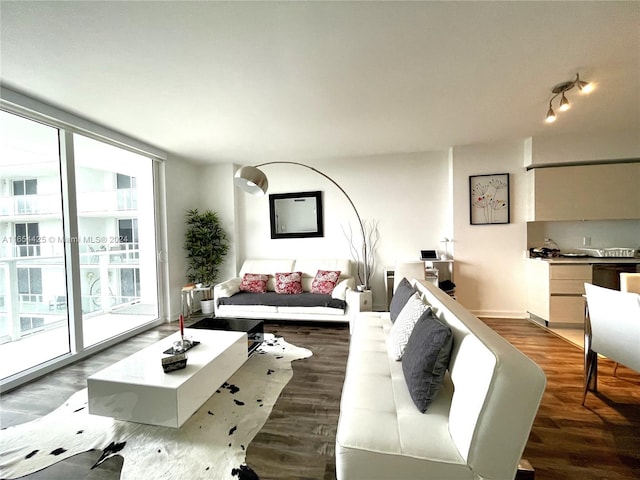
column 403, row 326
column 228, row 288
column 340, row 290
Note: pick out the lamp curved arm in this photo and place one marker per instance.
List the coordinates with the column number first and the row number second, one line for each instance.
column 328, row 178
column 257, row 183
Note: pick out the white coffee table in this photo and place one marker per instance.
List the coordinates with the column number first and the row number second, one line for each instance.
column 137, row 389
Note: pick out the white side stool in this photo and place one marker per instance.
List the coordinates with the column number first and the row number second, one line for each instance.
column 359, row 302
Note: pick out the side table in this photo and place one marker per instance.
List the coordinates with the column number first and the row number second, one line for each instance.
column 187, row 299
column 359, row 302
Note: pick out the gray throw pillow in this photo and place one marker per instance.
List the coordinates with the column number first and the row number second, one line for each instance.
column 400, row 297
column 426, row 358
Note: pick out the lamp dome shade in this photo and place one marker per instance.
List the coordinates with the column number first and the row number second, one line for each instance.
column 251, row 180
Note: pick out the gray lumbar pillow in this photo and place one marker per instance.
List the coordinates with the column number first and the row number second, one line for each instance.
column 400, row 297
column 425, row 359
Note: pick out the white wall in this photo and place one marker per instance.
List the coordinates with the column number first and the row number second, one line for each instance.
column 407, row 193
column 489, row 259
column 181, row 191
column 419, row 198
column 218, row 194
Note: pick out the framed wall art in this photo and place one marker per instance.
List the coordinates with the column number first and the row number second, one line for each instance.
column 489, row 199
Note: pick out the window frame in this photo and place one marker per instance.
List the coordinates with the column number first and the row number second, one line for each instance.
column 67, row 125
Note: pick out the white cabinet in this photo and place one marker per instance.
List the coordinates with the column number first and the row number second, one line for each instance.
column 555, row 292
column 585, row 192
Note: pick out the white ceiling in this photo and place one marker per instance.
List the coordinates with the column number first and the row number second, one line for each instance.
column 257, row 81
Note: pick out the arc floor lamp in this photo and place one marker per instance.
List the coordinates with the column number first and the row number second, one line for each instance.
column 252, row 180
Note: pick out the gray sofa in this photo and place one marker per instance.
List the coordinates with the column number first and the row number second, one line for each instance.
column 478, row 424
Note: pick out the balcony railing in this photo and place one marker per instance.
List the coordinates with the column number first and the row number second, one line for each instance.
column 100, row 291
column 44, row 204
column 122, row 199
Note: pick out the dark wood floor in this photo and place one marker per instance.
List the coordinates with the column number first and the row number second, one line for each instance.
column 298, row 440
column 568, row 441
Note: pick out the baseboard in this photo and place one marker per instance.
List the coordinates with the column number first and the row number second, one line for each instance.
column 500, row 314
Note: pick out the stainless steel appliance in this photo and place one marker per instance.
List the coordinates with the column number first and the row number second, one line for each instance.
column 608, row 274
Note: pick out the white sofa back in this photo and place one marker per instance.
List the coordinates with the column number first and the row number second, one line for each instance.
column 497, row 389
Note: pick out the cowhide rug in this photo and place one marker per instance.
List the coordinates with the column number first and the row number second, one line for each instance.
column 211, row 444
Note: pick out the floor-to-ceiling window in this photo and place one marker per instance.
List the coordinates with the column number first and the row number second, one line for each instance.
column 110, row 259
column 31, row 259
column 116, row 223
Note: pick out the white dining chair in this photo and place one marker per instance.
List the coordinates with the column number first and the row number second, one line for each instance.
column 612, row 329
column 629, row 282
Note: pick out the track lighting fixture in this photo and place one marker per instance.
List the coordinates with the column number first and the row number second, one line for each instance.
column 561, row 89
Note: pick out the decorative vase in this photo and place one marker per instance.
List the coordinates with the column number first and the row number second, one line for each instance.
column 206, row 307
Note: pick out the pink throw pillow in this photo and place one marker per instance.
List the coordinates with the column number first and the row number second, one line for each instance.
column 289, row 283
column 254, row 283
column 325, row 281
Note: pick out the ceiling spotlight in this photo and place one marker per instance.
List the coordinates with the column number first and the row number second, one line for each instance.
column 585, row 87
column 551, row 115
column 562, row 89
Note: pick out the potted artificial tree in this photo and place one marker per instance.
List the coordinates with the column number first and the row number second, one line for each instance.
column 207, row 245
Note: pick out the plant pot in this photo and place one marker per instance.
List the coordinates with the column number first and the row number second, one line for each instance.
column 206, row 307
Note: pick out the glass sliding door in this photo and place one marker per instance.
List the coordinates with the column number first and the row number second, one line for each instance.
column 34, row 326
column 109, row 201
column 116, row 227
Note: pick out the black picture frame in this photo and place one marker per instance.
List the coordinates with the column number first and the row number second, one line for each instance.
column 296, row 215
column 489, row 199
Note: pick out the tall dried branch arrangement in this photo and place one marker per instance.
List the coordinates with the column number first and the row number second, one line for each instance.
column 371, row 237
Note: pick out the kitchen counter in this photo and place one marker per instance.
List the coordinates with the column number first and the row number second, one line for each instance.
column 588, row 260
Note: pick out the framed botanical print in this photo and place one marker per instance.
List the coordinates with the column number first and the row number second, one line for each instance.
column 489, row 199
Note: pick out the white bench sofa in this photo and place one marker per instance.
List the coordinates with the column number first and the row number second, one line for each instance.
column 477, row 426
column 343, row 291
